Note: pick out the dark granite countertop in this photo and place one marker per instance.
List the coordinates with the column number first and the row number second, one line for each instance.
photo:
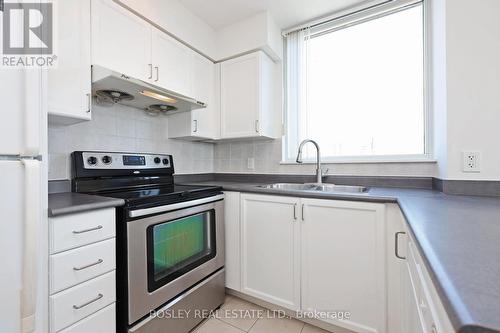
column 70, row 203
column 459, row 237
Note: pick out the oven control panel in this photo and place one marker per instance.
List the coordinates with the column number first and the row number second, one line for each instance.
column 118, row 161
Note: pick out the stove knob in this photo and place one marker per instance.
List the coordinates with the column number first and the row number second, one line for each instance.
column 92, row 160
column 157, row 160
column 107, row 159
column 165, row 161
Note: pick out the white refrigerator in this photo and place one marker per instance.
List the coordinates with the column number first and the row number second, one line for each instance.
column 23, row 201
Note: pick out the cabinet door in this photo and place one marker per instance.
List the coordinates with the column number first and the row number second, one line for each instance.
column 69, row 93
column 232, row 239
column 240, row 96
column 121, row 41
column 206, row 121
column 410, row 312
column 270, row 255
column 343, row 262
column 171, row 64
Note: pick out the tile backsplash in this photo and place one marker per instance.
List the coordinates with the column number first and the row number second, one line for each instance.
column 122, row 128
column 232, row 157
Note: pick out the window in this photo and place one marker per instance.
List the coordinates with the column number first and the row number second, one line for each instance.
column 356, row 86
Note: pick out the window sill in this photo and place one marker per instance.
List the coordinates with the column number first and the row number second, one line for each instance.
column 349, row 160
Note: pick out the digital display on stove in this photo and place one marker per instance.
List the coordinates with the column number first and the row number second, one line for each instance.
column 134, row 160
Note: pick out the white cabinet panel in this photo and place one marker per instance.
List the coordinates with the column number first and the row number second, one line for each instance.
column 343, row 262
column 247, row 101
column 69, row 93
column 202, row 77
column 171, row 63
column 75, row 266
column 240, row 96
column 411, row 316
column 71, row 231
column 103, row 321
column 270, row 252
column 199, row 124
column 121, row 40
column 71, row 305
column 232, row 239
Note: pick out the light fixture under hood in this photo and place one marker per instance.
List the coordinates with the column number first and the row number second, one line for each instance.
column 144, row 94
column 159, row 97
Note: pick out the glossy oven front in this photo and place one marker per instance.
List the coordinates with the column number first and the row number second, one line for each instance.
column 170, row 252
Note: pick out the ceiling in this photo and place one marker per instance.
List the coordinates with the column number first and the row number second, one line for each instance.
column 287, row 13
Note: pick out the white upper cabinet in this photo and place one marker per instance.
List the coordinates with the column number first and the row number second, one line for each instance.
column 204, row 123
column 248, row 107
column 172, row 63
column 121, row 41
column 69, row 93
column 343, row 262
column 270, row 249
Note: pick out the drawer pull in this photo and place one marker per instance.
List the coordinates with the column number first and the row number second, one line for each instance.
column 100, row 261
column 77, row 307
column 87, row 230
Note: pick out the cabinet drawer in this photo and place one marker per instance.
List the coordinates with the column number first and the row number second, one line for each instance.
column 74, row 304
column 425, row 305
column 84, row 263
column 103, row 321
column 74, row 230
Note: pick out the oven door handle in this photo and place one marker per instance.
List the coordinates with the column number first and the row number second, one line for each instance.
column 168, row 208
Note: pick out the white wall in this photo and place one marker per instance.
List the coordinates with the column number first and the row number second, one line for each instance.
column 473, row 86
column 466, row 86
column 122, row 128
column 173, row 17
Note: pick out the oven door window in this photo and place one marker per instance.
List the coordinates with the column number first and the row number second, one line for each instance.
column 178, row 246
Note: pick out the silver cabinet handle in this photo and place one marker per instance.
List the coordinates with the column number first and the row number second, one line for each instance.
column 302, row 212
column 396, row 244
column 100, row 261
column 87, row 230
column 77, row 307
column 157, row 73
column 195, row 123
column 257, row 126
column 89, row 102
column 150, row 71
column 295, row 212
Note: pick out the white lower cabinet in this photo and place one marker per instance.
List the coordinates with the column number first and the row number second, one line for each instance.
column 76, row 303
column 82, row 272
column 343, row 262
column 423, row 310
column 331, row 257
column 270, row 252
column 102, row 321
column 232, row 233
column 72, row 267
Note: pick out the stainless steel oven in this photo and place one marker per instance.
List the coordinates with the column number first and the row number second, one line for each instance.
column 169, row 238
column 172, row 250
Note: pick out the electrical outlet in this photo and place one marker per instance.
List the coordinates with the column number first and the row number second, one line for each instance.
column 251, row 163
column 471, row 161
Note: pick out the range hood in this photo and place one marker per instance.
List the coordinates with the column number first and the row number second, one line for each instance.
column 111, row 87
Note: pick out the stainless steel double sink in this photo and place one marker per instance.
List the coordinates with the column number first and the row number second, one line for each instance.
column 326, row 188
